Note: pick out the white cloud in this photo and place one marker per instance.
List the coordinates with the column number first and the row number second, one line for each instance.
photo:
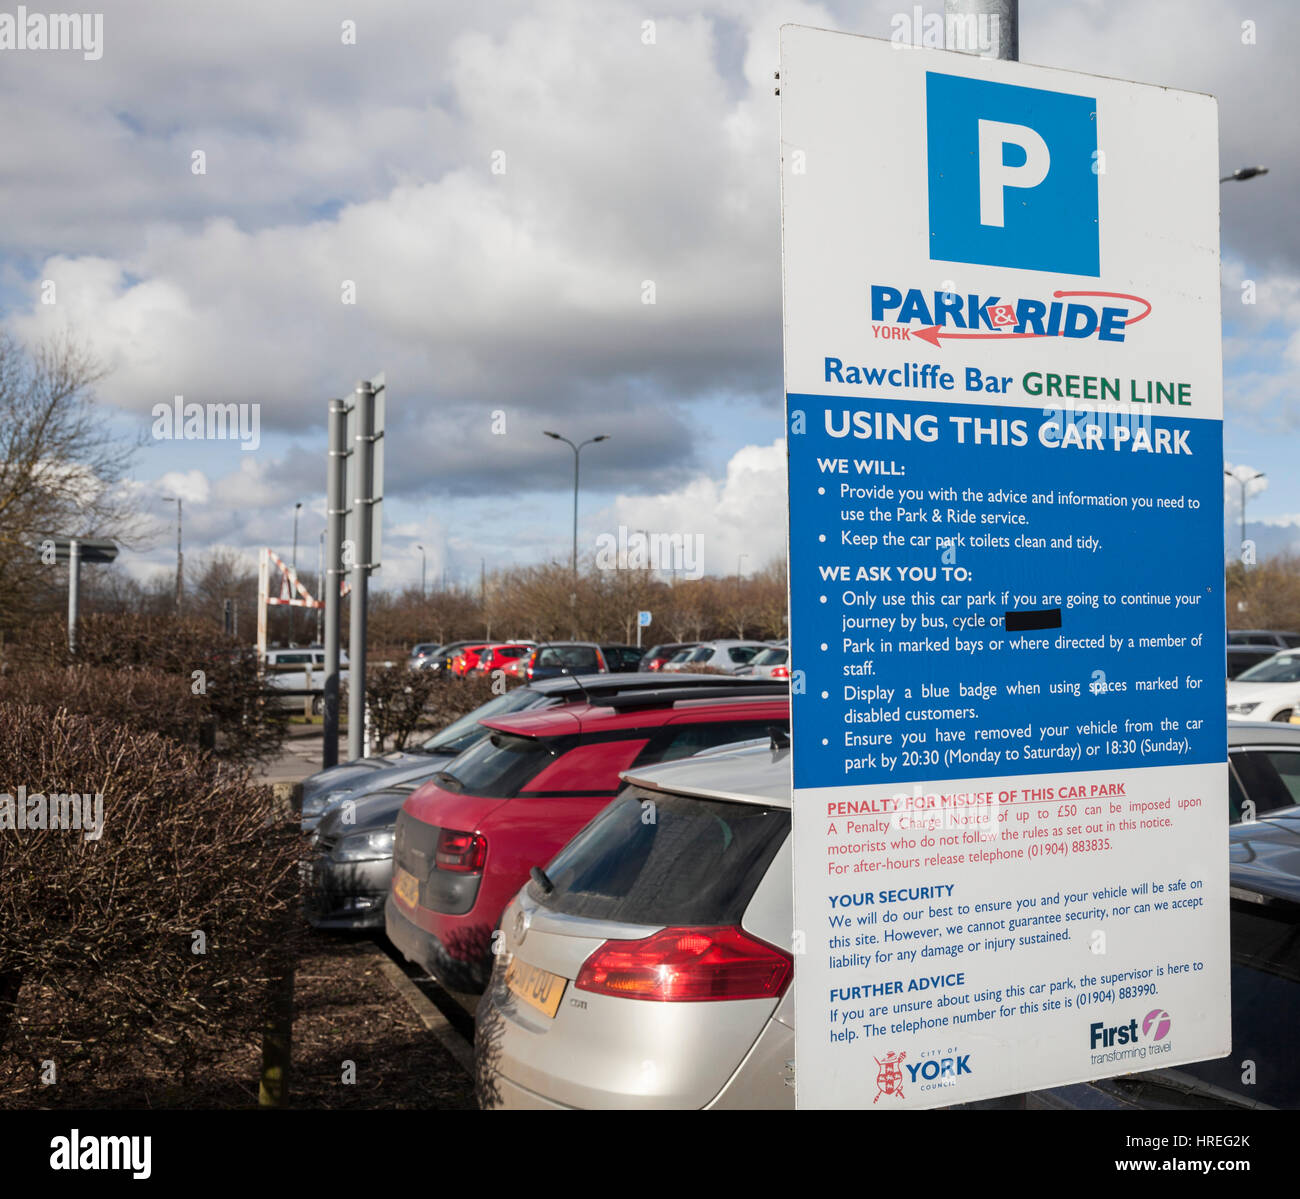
column 745, row 513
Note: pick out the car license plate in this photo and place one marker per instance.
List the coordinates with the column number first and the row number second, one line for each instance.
column 540, row 988
column 406, row 886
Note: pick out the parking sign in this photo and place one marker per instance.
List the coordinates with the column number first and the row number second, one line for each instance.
column 1012, row 175
column 1004, row 417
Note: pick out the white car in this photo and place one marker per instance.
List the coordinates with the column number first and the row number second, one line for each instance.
column 1268, row 691
column 727, row 656
column 301, row 671
column 770, row 663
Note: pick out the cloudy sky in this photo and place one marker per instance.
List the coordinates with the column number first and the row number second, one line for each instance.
column 497, row 184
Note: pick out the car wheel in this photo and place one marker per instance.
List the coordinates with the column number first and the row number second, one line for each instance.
column 318, row 705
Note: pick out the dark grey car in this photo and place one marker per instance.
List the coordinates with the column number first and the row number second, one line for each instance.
column 351, row 867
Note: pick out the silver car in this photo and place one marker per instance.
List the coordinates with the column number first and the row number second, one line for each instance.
column 647, row 966
column 729, row 656
column 770, row 663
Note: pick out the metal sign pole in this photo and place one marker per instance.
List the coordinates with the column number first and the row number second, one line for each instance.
column 263, row 594
column 336, row 506
column 74, row 592
column 363, row 504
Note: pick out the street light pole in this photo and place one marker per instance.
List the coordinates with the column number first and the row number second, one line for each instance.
column 320, row 587
column 422, row 565
column 577, row 454
column 180, row 560
column 1242, row 480
column 293, row 567
column 1241, row 174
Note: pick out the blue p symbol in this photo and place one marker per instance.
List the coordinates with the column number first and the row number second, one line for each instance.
column 1011, row 176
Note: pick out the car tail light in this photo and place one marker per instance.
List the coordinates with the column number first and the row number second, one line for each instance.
column 656, row 663
column 780, row 672
column 461, row 852
column 683, row 965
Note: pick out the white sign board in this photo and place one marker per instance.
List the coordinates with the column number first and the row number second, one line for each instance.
column 1003, row 377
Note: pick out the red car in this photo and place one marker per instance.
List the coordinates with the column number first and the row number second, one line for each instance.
column 466, row 840
column 466, row 660
column 501, row 657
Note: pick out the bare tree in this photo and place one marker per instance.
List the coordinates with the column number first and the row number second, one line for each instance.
column 61, row 468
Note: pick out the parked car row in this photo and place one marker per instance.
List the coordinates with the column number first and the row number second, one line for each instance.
column 608, row 860
column 468, row 839
column 353, row 808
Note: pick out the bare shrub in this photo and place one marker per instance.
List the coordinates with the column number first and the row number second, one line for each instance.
column 153, row 942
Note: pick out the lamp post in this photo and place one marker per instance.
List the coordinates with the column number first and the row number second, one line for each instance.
column 577, row 454
column 320, row 588
column 293, row 567
column 1241, row 174
column 422, row 565
column 180, row 560
column 1242, row 480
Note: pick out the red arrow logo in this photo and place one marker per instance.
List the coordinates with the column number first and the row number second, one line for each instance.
column 933, row 333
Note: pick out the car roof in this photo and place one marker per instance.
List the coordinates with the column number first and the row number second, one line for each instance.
column 1242, row 733
column 568, row 644
column 606, row 683
column 757, row 774
column 1264, row 858
column 598, row 717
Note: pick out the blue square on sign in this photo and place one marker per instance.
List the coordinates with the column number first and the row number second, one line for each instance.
column 1012, row 176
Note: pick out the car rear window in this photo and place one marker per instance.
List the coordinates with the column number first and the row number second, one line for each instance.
column 656, row 858
column 1281, row 668
column 461, row 734
column 1271, row 778
column 571, row 657
column 500, row 765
